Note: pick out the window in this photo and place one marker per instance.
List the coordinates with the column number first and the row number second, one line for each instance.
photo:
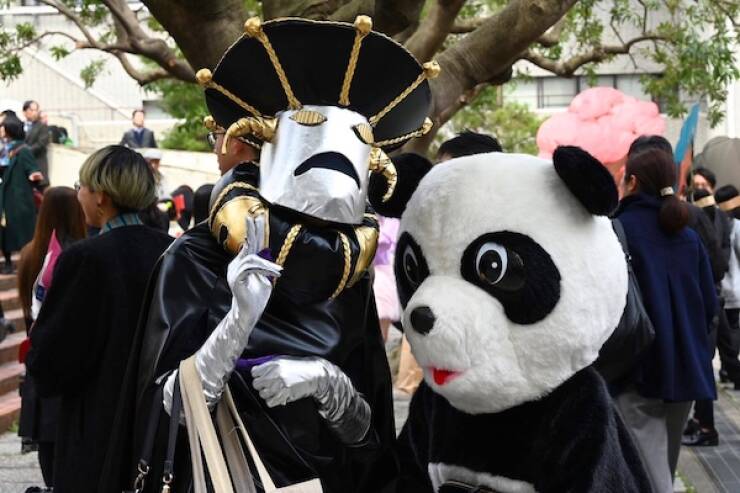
column 556, row 92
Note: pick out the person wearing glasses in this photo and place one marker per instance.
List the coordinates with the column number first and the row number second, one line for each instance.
column 239, row 150
column 81, row 340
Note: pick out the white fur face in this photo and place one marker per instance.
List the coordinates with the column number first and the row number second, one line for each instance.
column 521, row 284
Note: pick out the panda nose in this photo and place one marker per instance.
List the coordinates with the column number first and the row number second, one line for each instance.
column 422, row 319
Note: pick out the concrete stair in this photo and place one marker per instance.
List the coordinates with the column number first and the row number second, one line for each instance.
column 11, row 372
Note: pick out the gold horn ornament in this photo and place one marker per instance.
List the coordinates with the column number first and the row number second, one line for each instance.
column 263, row 128
column 381, row 163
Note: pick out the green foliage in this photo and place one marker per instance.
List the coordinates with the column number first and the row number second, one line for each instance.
column 186, row 102
column 689, row 50
column 513, row 124
column 91, row 72
column 58, row 52
column 10, row 42
column 24, row 32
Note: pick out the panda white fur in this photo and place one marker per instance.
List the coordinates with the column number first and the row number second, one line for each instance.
column 512, row 279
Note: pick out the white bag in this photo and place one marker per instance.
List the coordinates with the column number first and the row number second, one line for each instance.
column 202, row 437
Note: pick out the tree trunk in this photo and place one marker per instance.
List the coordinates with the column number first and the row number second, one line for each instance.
column 202, row 30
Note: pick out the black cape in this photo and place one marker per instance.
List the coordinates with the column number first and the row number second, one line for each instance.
column 186, row 302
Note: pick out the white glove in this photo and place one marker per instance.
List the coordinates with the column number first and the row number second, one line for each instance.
column 286, row 379
column 250, row 278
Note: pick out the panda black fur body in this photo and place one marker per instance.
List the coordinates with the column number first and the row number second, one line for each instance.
column 511, row 283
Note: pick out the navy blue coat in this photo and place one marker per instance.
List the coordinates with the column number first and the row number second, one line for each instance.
column 675, row 277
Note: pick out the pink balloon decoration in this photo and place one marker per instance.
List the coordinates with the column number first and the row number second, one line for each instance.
column 603, row 121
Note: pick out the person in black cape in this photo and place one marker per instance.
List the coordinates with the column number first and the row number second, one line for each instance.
column 320, row 318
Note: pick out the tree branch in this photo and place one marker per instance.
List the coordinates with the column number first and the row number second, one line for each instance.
column 598, row 54
column 142, row 78
column 433, row 30
column 44, row 35
column 69, row 14
column 132, row 39
column 492, row 49
column 551, row 37
column 466, row 26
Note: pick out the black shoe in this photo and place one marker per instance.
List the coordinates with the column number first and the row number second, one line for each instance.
column 8, row 268
column 702, row 439
column 737, row 385
column 692, row 427
column 724, row 377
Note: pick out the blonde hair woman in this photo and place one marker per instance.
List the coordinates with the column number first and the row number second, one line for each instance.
column 81, row 341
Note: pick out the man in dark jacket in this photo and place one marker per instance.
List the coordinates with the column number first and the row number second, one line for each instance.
column 139, row 136
column 37, row 136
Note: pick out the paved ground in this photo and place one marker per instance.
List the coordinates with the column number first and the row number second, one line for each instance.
column 717, row 469
column 17, row 472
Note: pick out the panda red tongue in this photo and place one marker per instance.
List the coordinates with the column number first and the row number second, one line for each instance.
column 441, row 377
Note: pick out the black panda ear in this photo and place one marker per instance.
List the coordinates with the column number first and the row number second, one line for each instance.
column 410, row 169
column 587, row 179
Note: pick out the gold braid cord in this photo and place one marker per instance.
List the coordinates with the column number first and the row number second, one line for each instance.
column 223, row 193
column 363, row 25
column 288, row 244
column 431, row 70
column 403, row 138
column 205, row 79
column 248, row 107
column 347, row 266
column 253, row 28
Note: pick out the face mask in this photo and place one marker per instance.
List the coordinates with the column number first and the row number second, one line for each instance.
column 317, row 163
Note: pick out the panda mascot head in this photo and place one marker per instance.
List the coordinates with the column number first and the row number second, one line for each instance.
column 510, row 275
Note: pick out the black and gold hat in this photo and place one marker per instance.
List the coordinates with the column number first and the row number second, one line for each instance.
column 285, row 64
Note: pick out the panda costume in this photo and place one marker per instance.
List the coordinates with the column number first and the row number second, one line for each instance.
column 511, row 279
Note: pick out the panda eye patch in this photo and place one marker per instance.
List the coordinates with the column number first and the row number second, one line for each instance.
column 410, row 267
column 517, row 271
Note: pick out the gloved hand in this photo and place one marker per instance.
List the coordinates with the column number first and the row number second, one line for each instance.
column 250, row 278
column 286, row 379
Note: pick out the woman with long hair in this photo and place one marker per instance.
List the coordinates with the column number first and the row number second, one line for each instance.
column 82, row 338
column 61, row 214
column 60, row 223
column 675, row 278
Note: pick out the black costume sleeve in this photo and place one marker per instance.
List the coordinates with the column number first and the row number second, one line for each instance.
column 65, row 341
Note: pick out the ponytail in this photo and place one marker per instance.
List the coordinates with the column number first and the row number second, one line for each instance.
column 656, row 174
column 673, row 215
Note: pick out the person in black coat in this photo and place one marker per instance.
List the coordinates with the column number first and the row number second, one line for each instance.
column 138, row 137
column 37, row 136
column 81, row 341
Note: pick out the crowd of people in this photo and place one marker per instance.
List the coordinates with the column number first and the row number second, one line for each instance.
column 685, row 254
